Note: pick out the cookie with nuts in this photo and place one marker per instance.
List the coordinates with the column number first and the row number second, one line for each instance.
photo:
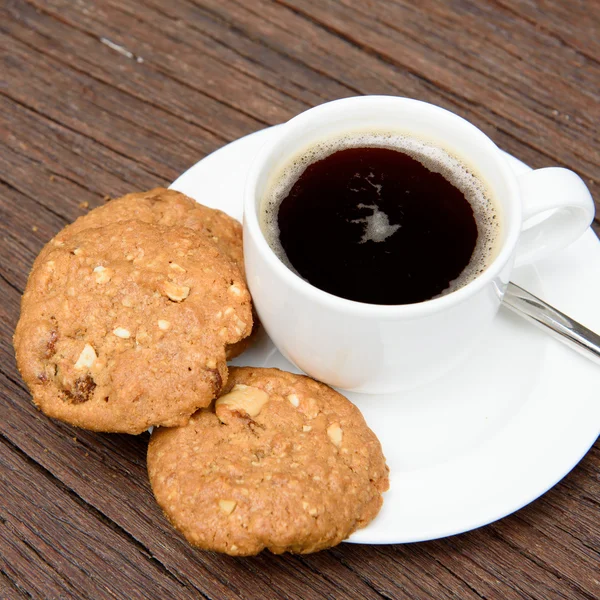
column 280, row 462
column 173, row 209
column 125, row 326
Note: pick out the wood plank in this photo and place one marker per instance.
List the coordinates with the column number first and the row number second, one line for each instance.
column 60, row 169
column 69, row 550
column 514, row 106
column 164, row 104
column 573, row 23
column 238, row 49
column 416, row 575
column 491, row 47
column 103, row 98
column 176, row 59
column 548, row 553
column 72, row 112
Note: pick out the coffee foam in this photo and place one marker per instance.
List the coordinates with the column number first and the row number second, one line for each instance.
column 429, row 155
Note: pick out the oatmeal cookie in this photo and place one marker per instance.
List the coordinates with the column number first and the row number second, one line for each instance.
column 173, row 209
column 125, row 325
column 279, row 462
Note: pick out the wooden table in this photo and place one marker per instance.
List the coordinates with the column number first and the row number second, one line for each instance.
column 102, row 98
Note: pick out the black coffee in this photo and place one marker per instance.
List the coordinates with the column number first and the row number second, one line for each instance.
column 376, row 225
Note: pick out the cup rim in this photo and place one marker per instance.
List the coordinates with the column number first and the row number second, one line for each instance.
column 364, row 309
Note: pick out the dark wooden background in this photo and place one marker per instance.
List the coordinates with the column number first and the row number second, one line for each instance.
column 102, row 98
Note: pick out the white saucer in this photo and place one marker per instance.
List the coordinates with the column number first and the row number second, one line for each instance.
column 488, row 438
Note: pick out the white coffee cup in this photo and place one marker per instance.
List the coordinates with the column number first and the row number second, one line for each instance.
column 379, row 348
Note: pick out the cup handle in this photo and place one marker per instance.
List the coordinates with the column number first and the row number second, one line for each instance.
column 557, row 209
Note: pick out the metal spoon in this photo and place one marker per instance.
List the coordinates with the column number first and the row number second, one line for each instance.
column 562, row 327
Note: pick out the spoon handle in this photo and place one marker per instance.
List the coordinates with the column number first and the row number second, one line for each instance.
column 565, row 329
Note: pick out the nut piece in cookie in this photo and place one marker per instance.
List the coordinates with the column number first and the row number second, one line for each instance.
column 235, row 350
column 282, row 462
column 126, row 326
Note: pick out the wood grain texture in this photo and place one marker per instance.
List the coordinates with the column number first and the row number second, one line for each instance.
column 98, row 98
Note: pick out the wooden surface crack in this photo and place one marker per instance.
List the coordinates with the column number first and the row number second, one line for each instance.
column 90, row 509
column 530, row 556
column 219, row 60
column 263, row 42
column 10, row 588
column 456, row 575
column 60, row 125
column 338, row 580
column 149, row 64
column 10, row 283
column 406, row 66
column 15, row 380
column 64, row 219
column 506, row 6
